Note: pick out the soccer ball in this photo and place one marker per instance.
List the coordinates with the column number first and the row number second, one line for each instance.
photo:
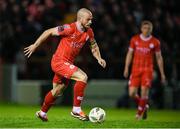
column 97, row 115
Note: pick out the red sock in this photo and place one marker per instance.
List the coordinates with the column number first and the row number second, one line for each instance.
column 48, row 102
column 137, row 99
column 141, row 106
column 79, row 88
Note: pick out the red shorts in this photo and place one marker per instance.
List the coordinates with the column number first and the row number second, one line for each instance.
column 141, row 78
column 63, row 71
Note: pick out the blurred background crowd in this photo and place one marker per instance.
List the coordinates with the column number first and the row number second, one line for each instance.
column 114, row 23
column 22, row 22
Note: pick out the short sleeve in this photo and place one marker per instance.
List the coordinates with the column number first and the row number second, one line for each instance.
column 65, row 29
column 157, row 46
column 132, row 45
column 91, row 34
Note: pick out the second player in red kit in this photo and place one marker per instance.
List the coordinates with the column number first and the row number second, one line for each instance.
column 141, row 51
column 142, row 67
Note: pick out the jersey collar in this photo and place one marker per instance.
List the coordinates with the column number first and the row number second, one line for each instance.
column 144, row 38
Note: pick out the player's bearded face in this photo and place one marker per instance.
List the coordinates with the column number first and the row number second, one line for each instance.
column 87, row 20
column 146, row 30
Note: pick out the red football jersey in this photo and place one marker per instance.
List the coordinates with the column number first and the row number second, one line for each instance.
column 72, row 40
column 144, row 49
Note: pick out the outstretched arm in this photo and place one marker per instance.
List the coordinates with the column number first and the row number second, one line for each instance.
column 96, row 53
column 128, row 62
column 160, row 63
column 30, row 49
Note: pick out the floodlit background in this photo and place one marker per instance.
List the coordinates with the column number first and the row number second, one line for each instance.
column 26, row 81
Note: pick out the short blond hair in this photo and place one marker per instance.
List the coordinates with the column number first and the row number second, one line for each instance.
column 146, row 22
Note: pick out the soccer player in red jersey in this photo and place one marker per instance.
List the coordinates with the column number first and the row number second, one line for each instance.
column 141, row 50
column 74, row 36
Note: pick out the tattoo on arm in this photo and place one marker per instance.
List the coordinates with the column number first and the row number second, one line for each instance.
column 93, row 44
column 94, row 47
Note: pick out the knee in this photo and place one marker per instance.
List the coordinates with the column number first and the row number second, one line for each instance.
column 132, row 94
column 58, row 91
column 145, row 93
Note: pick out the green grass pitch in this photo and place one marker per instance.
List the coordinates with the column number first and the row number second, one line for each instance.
column 18, row 116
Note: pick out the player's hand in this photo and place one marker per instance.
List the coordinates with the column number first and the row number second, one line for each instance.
column 126, row 72
column 102, row 62
column 29, row 50
column 163, row 79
